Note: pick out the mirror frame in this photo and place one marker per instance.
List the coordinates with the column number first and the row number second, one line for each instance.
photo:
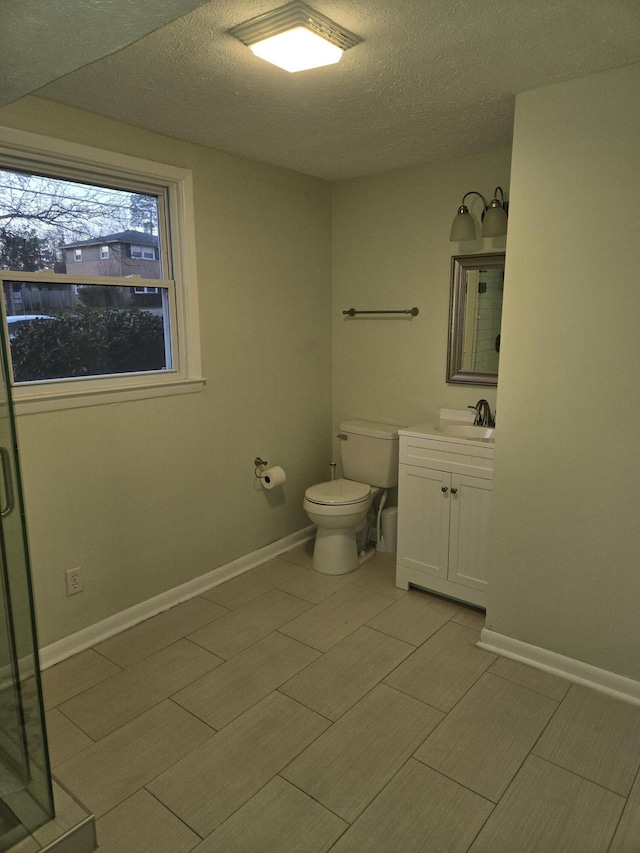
column 460, row 264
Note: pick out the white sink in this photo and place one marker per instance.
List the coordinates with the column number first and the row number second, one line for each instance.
column 477, row 433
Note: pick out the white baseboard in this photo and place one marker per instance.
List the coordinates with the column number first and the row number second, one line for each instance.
column 617, row 686
column 87, row 637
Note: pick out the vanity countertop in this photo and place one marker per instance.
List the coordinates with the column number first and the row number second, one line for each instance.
column 453, row 426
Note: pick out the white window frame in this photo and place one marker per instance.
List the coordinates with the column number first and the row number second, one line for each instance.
column 77, row 254
column 104, row 253
column 79, row 281
column 62, row 159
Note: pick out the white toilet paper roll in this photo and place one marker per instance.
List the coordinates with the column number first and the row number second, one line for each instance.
column 273, row 477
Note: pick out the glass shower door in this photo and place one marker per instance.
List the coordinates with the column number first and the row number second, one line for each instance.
column 26, row 800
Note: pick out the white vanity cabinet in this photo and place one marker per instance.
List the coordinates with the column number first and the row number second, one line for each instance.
column 444, row 509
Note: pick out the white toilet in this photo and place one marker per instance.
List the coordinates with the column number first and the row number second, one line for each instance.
column 369, row 454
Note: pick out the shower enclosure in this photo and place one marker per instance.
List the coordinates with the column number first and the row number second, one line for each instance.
column 26, row 798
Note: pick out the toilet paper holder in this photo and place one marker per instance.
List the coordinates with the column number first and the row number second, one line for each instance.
column 270, row 478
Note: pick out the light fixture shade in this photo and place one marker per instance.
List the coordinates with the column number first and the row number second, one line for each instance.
column 463, row 227
column 297, row 50
column 323, row 41
column 494, row 223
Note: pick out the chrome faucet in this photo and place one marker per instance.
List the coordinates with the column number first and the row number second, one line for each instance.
column 483, row 414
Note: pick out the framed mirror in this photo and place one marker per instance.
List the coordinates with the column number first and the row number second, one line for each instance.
column 477, row 283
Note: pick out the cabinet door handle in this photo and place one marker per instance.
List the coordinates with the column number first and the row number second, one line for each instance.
column 445, row 489
column 454, row 491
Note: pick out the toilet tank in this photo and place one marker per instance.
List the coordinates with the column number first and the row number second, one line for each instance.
column 369, row 452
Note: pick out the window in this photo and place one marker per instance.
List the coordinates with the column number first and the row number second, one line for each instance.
column 97, row 332
column 143, row 252
column 104, row 195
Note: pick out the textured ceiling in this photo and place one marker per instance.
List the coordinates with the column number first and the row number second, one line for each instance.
column 40, row 42
column 432, row 78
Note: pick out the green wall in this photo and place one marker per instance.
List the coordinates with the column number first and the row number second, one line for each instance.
column 391, row 249
column 147, row 495
column 565, row 534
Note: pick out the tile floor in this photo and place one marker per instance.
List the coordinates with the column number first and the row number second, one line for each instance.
column 286, row 710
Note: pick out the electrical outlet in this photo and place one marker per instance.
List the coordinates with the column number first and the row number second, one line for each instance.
column 74, row 580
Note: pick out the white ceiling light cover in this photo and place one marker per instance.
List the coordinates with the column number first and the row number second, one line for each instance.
column 295, row 37
column 297, row 50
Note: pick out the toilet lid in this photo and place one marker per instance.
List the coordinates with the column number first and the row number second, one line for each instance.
column 338, row 492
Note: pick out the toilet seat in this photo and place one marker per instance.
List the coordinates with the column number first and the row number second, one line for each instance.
column 338, row 493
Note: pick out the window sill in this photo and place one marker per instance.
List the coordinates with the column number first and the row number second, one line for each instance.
column 27, row 401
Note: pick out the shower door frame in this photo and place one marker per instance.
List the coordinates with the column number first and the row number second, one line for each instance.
column 27, row 792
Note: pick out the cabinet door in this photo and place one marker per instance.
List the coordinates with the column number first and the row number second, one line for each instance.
column 423, row 519
column 470, row 519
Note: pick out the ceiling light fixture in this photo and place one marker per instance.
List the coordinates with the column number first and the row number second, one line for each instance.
column 295, row 37
column 494, row 218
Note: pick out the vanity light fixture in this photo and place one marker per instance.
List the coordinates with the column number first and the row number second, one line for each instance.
column 494, row 223
column 494, row 218
column 295, row 37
